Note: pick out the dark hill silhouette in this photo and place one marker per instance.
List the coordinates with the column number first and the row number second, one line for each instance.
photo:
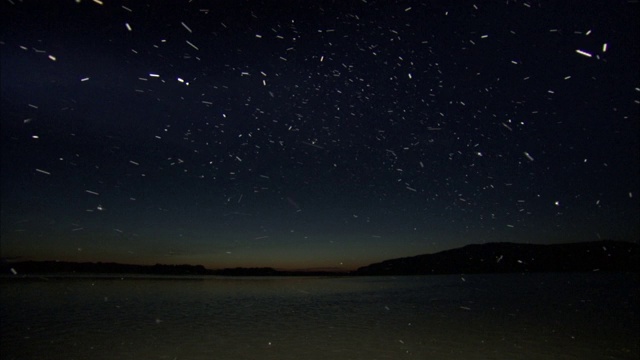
column 65, row 267
column 77, row 268
column 513, row 257
column 470, row 259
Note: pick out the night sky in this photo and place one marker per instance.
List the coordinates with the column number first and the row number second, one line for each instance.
column 314, row 134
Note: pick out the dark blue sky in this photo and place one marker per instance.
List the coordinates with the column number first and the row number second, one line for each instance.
column 314, row 134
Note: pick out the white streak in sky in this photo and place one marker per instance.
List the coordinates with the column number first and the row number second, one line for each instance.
column 190, row 44
column 186, row 27
column 583, row 53
column 528, row 156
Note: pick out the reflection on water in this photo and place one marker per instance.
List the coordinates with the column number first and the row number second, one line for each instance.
column 534, row 316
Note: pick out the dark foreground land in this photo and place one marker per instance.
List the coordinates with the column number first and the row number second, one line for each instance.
column 611, row 256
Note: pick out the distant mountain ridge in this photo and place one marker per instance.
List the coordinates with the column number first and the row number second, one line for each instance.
column 503, row 257
column 605, row 255
column 67, row 268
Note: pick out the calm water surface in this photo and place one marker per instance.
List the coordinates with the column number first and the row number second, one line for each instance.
column 530, row 316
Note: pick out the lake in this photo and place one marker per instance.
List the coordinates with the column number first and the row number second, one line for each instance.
column 508, row 316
